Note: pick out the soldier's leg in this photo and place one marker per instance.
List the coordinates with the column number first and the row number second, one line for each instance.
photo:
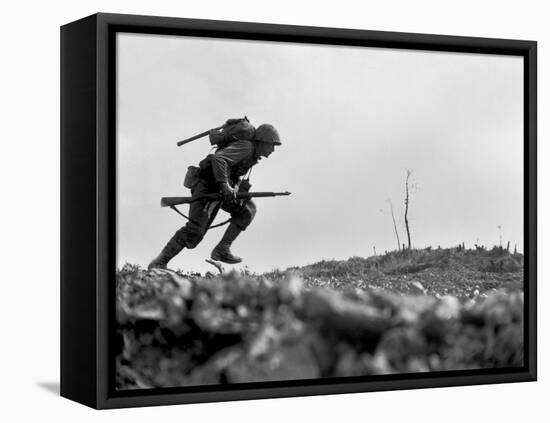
column 189, row 236
column 241, row 217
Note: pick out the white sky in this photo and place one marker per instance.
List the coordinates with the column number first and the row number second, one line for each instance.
column 351, row 121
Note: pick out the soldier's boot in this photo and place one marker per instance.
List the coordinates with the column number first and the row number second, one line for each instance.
column 222, row 251
column 172, row 248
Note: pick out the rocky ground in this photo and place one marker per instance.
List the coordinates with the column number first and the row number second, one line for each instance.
column 416, row 311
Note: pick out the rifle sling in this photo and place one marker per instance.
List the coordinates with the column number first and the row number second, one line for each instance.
column 197, row 223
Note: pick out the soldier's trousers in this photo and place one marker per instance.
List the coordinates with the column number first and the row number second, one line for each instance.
column 202, row 213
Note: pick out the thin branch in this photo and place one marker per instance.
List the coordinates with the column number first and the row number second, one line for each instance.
column 394, row 225
column 407, row 207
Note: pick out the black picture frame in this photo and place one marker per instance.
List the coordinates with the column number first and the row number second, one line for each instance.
column 88, row 207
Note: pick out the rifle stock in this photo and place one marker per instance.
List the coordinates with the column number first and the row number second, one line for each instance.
column 174, row 201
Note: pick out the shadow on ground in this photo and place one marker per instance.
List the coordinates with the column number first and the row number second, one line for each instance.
column 51, row 387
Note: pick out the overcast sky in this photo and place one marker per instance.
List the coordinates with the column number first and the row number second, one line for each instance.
column 351, row 119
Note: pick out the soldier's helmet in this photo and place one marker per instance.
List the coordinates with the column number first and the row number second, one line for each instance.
column 267, row 133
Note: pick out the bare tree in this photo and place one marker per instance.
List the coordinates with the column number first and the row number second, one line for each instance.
column 407, row 208
column 394, row 225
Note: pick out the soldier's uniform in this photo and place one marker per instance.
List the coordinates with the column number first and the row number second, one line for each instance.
column 227, row 166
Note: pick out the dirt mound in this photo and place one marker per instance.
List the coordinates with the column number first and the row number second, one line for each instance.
column 496, row 260
column 181, row 330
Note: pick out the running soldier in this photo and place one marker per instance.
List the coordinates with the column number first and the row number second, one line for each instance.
column 222, row 172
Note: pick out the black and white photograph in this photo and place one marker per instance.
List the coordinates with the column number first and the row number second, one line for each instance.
column 291, row 211
column 275, row 211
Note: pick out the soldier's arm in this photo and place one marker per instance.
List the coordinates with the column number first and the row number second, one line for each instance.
column 229, row 156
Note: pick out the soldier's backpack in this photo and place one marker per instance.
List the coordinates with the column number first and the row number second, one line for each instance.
column 233, row 130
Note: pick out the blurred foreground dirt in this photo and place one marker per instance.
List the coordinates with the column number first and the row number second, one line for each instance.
column 184, row 330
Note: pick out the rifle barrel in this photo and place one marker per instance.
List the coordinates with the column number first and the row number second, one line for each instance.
column 174, row 201
column 196, row 137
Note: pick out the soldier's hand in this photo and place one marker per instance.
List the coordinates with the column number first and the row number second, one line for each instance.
column 228, row 192
column 244, row 186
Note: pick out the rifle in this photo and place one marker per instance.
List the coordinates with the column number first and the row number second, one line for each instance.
column 174, row 201
column 228, row 123
column 196, row 137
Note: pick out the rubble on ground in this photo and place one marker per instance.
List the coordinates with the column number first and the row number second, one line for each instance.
column 183, row 330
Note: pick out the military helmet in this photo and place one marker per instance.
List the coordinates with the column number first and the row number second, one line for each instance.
column 267, row 133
